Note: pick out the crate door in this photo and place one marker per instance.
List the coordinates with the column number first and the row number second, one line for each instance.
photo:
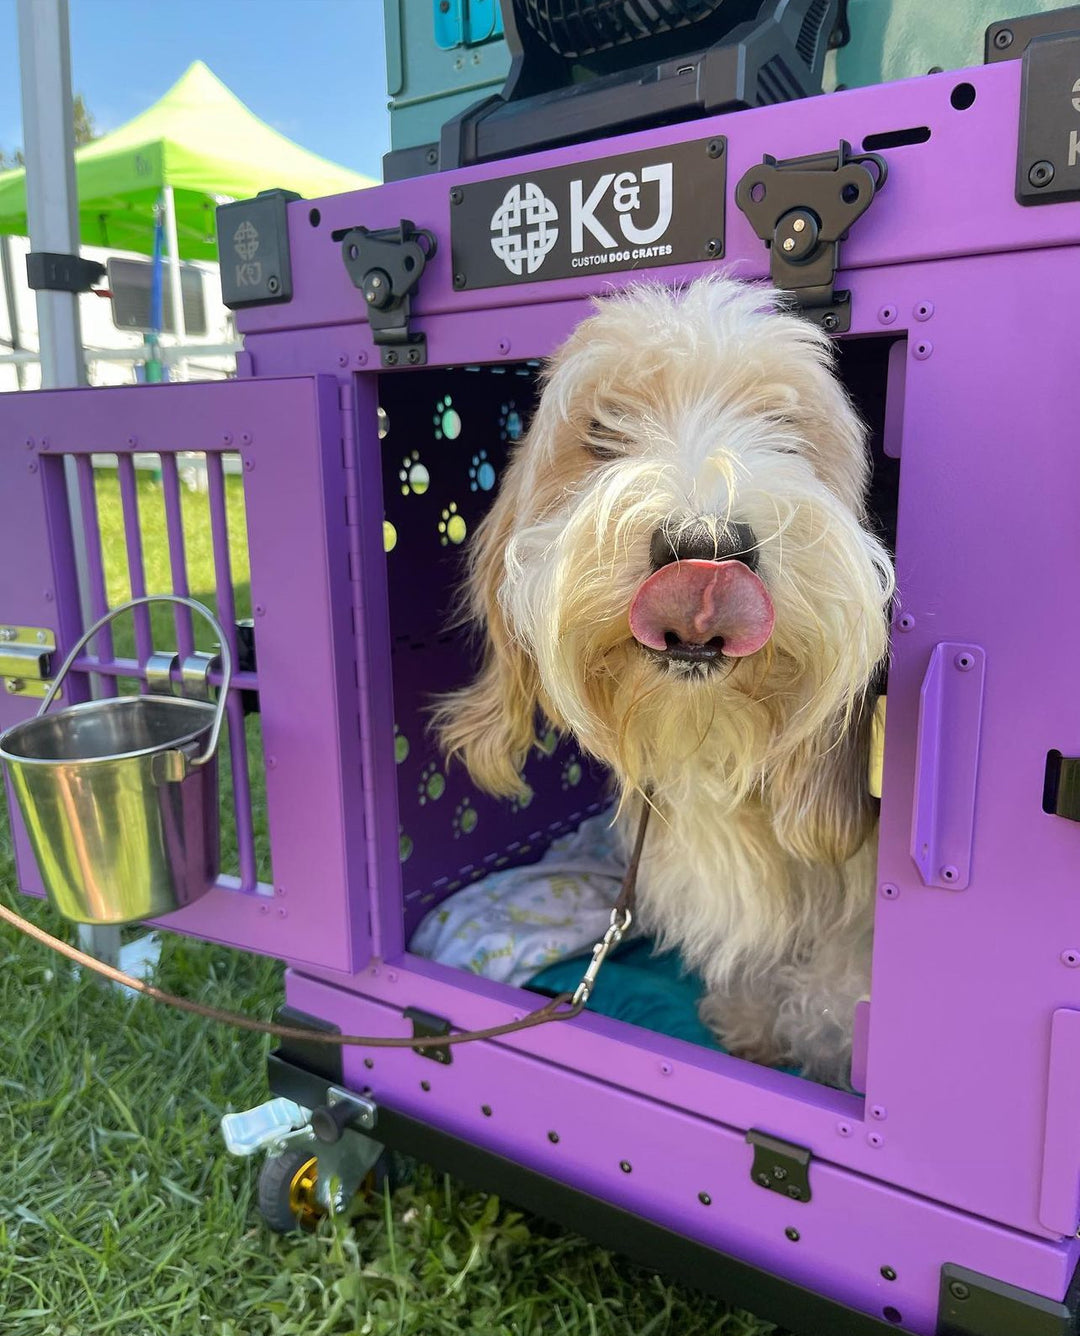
column 232, row 492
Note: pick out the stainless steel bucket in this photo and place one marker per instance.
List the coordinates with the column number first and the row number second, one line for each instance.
column 120, row 797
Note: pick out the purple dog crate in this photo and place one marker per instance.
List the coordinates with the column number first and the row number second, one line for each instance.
column 947, row 1198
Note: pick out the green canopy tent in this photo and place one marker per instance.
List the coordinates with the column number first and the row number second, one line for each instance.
column 195, row 147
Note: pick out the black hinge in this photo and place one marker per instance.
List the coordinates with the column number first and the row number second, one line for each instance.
column 971, row 1304
column 802, row 209
column 1061, row 786
column 62, row 273
column 424, row 1025
column 780, row 1166
column 386, row 266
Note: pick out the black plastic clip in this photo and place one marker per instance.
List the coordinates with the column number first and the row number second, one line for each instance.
column 386, row 266
column 425, row 1026
column 1061, row 786
column 780, row 1167
column 802, row 209
column 62, row 273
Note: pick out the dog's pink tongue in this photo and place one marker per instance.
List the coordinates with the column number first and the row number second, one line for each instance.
column 693, row 602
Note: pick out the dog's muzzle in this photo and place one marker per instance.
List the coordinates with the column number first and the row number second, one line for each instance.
column 702, row 603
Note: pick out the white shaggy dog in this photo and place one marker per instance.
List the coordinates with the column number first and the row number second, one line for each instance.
column 677, row 572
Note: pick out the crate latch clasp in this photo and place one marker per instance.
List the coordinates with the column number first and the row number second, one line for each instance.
column 386, row 266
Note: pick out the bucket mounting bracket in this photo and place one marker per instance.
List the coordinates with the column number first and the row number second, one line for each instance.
column 26, row 654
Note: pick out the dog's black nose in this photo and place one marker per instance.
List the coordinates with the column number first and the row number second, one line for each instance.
column 701, row 542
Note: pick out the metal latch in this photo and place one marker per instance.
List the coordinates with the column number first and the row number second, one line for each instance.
column 802, row 209
column 386, row 266
column 780, row 1166
column 26, row 659
column 424, row 1025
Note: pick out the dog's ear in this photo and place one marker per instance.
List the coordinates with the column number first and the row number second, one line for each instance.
column 491, row 723
column 819, row 796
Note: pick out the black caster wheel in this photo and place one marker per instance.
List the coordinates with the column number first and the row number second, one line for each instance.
column 287, row 1200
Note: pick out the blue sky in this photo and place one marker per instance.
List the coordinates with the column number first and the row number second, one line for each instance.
column 313, row 69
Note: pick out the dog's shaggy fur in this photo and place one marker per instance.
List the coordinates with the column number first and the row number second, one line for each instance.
column 672, row 414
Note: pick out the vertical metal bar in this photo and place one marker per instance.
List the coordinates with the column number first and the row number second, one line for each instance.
column 176, row 286
column 226, row 607
column 174, row 526
column 129, row 498
column 95, row 566
column 11, row 301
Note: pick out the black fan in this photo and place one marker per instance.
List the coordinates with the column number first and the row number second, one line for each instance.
column 584, row 69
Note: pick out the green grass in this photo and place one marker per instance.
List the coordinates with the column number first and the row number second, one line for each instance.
column 120, row 1212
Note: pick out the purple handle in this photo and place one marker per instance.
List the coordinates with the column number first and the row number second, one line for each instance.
column 946, row 765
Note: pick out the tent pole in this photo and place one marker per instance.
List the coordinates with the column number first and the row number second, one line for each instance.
column 175, row 286
column 12, row 303
column 51, row 207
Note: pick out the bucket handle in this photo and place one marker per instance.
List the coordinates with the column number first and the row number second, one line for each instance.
column 226, row 659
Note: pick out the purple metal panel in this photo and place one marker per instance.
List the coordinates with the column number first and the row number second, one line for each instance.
column 289, row 433
column 969, row 158
column 850, row 1229
column 1059, row 1201
column 946, row 763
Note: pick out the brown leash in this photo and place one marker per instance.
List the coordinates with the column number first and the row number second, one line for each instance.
column 561, row 1008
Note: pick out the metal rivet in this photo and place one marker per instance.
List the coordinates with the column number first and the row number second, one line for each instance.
column 133, row 440
column 226, row 438
column 361, row 358
column 369, row 1063
column 1003, row 38
column 764, row 1180
column 829, row 321
column 875, row 1139
column 887, row 315
column 1041, row 173
column 959, row 1290
column 906, row 622
column 879, row 1112
column 273, row 285
column 888, row 1273
column 249, row 464
column 889, row 891
column 271, row 763
column 390, row 357
column 504, row 346
column 965, row 662
column 1070, row 958
column 950, row 873
column 704, row 1198
column 246, row 437
column 715, row 148
column 32, row 466
column 342, row 359
column 844, row 1129
column 665, row 1069
column 626, row 1166
column 29, row 443
column 923, row 350
column 789, row 243
column 260, row 610
column 779, row 1173
column 923, row 311
column 792, row 1234
column 459, row 280
column 799, row 225
column 553, row 1137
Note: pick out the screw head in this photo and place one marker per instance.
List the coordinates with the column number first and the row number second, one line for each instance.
column 485, row 1109
column 390, row 357
column 459, row 280
column 959, row 1290
column 792, row 1234
column 779, row 1173
column 764, row 1180
column 829, row 321
column 789, row 243
column 456, row 195
column 413, row 356
column 704, row 1198
column 432, row 156
column 887, row 1273
column 715, row 148
column 1003, row 38
column 553, row 1137
column 714, row 247
column 1041, row 173
column 273, row 285
column 626, row 1166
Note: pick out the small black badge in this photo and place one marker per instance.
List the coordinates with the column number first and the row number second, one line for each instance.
column 635, row 211
column 253, row 244
column 1048, row 161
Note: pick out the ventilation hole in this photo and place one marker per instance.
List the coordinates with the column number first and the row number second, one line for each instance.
column 409, row 263
column 914, row 134
column 962, row 96
column 314, row 218
column 850, row 193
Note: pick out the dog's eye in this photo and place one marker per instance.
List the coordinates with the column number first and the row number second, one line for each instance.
column 604, row 444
